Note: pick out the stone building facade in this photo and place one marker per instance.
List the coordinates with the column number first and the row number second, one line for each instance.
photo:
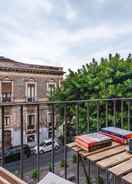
column 21, row 82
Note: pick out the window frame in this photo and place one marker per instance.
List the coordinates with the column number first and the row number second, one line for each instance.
column 31, row 114
column 7, row 80
column 48, row 88
column 35, row 89
column 7, row 116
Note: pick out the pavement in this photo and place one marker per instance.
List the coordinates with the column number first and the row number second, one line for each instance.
column 31, row 162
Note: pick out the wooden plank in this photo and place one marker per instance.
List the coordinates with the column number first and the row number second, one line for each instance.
column 128, row 178
column 85, row 153
column 76, row 149
column 122, row 168
column 70, row 145
column 11, row 178
column 107, row 153
column 3, row 181
column 114, row 160
column 73, row 147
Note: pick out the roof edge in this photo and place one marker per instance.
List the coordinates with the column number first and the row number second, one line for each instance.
column 24, row 66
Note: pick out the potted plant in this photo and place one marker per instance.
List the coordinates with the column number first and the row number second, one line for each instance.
column 74, row 159
column 62, row 163
column 49, row 166
column 35, row 174
column 88, row 180
column 99, row 180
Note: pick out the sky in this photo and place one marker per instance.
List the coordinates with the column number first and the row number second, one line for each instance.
column 67, row 33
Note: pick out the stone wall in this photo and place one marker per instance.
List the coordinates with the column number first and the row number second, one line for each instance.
column 19, row 91
column 20, row 79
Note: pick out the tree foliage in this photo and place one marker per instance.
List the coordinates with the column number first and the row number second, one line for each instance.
column 109, row 78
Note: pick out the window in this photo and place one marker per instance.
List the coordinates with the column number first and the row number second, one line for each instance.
column 6, row 91
column 7, row 121
column 31, row 122
column 51, row 87
column 49, row 117
column 31, row 91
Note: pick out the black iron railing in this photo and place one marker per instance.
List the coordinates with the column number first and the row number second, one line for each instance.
column 6, row 97
column 92, row 114
column 31, row 99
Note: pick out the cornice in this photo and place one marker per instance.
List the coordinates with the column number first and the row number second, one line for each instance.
column 30, row 70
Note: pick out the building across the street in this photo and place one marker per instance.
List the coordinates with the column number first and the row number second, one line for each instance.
column 21, row 82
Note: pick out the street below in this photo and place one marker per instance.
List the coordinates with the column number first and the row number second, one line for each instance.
column 31, row 163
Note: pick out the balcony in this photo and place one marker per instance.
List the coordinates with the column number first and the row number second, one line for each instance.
column 31, row 99
column 30, row 127
column 75, row 117
column 6, row 97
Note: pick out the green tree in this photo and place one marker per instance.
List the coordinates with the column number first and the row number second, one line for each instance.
column 109, row 78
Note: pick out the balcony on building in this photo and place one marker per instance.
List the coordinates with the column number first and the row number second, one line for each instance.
column 6, row 97
column 31, row 99
column 31, row 90
column 6, row 91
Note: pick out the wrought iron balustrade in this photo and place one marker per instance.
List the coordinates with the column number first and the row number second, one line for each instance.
column 6, row 97
column 77, row 117
column 31, row 99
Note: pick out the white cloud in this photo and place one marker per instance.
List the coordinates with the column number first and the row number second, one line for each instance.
column 100, row 32
column 48, row 7
column 38, row 5
column 43, row 31
column 51, row 47
column 101, row 1
column 71, row 13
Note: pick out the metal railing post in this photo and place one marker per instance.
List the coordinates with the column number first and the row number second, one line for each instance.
column 53, row 139
column 106, row 114
column 114, row 113
column 128, row 115
column 88, row 119
column 98, row 125
column 65, row 140
column 77, row 119
column 3, row 136
column 21, row 155
column 122, row 110
column 77, row 132
column 38, row 141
